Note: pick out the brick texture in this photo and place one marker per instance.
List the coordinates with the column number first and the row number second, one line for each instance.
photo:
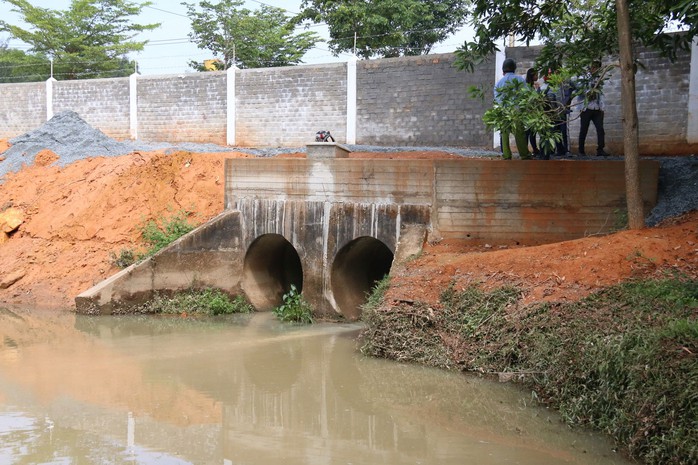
column 102, row 103
column 287, row 106
column 187, row 107
column 22, row 108
column 421, row 101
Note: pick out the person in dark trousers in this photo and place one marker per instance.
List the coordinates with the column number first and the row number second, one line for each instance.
column 592, row 109
column 532, row 80
column 510, row 78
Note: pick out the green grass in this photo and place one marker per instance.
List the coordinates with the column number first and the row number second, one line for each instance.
column 156, row 234
column 623, row 360
column 197, row 301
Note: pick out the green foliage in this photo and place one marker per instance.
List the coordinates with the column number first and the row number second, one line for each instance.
column 576, row 33
column 385, row 28
column 91, row 39
column 197, row 301
column 246, row 38
column 375, row 297
column 294, row 308
column 124, row 259
column 18, row 66
column 519, row 108
column 159, row 234
column 622, row 360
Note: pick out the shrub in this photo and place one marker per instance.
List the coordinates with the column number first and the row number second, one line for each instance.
column 161, row 233
column 197, row 301
column 124, row 259
column 294, row 308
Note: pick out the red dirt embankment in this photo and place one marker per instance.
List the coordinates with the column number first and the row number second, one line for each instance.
column 76, row 216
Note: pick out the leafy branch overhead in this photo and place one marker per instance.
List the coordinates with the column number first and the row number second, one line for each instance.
column 246, row 38
column 576, row 32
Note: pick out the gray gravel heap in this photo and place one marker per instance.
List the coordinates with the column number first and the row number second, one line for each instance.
column 71, row 138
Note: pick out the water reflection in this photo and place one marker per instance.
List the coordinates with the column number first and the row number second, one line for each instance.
column 250, row 390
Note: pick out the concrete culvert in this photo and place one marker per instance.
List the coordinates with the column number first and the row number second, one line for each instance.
column 356, row 269
column 271, row 266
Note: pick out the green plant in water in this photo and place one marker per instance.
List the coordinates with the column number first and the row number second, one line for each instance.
column 198, row 301
column 294, row 308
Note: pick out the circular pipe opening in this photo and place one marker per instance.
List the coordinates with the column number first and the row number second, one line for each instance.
column 356, row 269
column 271, row 266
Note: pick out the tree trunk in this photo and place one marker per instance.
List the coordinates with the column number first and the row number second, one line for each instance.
column 636, row 216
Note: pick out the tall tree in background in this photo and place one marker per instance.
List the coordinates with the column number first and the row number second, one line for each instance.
column 246, row 38
column 576, row 32
column 385, row 28
column 18, row 66
column 90, row 39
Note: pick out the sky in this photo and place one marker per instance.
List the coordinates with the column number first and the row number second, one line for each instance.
column 169, row 49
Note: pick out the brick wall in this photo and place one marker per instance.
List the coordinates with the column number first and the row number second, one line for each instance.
column 187, row 107
column 287, row 106
column 400, row 101
column 421, row 100
column 102, row 103
column 22, row 108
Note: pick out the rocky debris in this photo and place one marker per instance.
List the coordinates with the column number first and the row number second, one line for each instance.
column 10, row 219
column 10, row 279
column 45, row 158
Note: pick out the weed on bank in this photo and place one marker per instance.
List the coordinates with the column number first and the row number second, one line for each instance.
column 623, row 361
column 196, row 302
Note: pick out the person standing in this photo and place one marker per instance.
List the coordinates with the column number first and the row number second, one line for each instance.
column 532, row 81
column 592, row 109
column 504, row 88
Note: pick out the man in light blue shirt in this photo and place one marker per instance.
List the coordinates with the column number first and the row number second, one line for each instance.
column 511, row 79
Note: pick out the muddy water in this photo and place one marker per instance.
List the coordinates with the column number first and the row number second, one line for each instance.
column 249, row 390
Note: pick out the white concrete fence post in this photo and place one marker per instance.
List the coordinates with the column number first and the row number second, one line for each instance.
column 692, row 123
column 230, row 105
column 133, row 105
column 351, row 100
column 49, row 98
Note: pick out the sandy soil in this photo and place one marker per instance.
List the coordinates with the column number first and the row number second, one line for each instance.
column 76, row 216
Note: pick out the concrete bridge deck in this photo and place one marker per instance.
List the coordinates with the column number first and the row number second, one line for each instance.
column 333, row 226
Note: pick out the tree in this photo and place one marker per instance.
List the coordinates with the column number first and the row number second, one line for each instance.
column 90, row 39
column 385, row 28
column 574, row 33
column 245, row 38
column 18, row 66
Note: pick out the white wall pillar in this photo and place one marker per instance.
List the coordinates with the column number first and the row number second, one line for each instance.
column 49, row 98
column 351, row 100
column 692, row 126
column 133, row 105
column 499, row 58
column 230, row 103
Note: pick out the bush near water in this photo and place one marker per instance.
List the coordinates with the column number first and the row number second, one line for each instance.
column 623, row 360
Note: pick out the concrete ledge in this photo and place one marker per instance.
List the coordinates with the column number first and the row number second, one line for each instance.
column 327, row 150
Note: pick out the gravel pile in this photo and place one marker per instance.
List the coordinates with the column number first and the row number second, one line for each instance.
column 71, row 138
